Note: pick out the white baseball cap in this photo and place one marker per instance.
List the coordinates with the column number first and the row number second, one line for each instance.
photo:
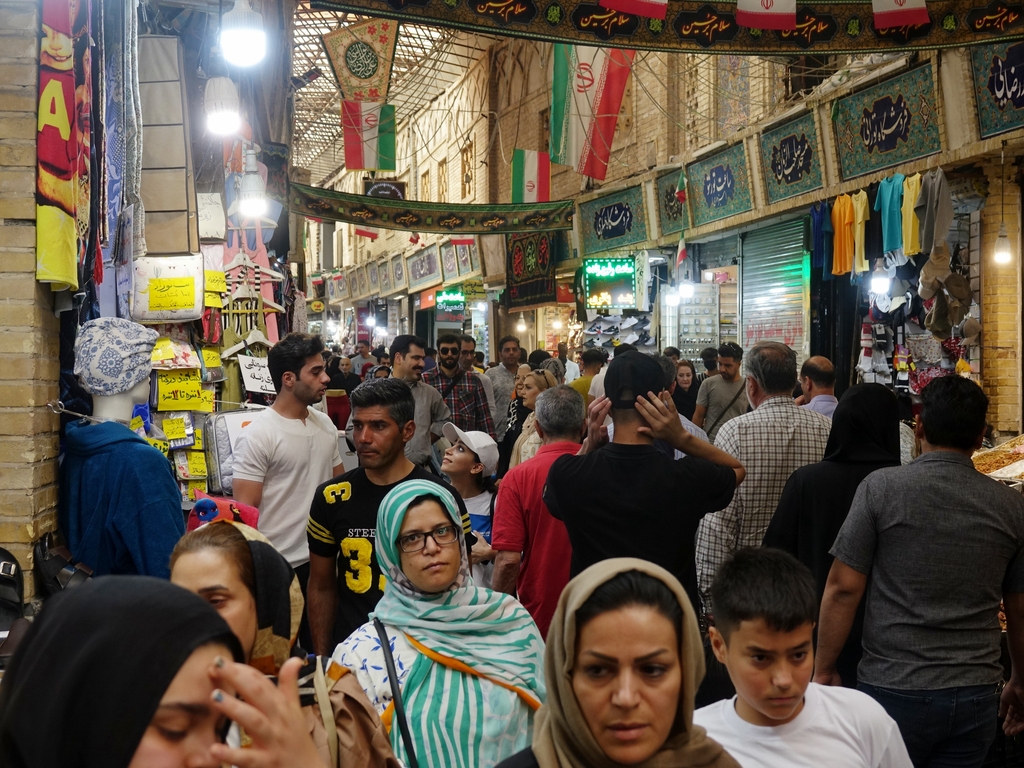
column 480, row 443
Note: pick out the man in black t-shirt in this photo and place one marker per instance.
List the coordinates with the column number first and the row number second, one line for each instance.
column 627, row 498
column 345, row 581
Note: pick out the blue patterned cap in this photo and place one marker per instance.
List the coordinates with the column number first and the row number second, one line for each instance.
column 112, row 355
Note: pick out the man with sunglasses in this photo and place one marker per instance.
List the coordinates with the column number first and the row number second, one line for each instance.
column 461, row 390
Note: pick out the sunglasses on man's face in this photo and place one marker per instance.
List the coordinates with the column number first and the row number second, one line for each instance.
column 448, row 350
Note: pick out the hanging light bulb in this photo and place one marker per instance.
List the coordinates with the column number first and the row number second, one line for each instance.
column 672, row 297
column 222, row 106
column 252, row 201
column 686, row 290
column 521, row 325
column 242, row 38
column 556, row 324
column 1002, row 253
column 481, row 307
column 371, row 321
column 880, row 280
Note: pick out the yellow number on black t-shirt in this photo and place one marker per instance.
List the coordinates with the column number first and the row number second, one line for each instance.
column 360, row 554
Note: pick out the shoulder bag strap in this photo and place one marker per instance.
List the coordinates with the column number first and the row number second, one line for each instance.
column 396, row 693
column 451, row 384
column 722, row 414
column 323, row 700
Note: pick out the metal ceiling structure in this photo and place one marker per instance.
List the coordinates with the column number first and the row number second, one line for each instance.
column 427, row 61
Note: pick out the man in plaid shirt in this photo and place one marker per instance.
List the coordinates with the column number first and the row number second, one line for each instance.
column 462, row 390
column 772, row 442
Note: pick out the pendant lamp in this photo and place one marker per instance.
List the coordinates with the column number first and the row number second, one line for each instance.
column 242, row 38
column 222, row 106
column 1002, row 253
column 521, row 325
column 252, row 201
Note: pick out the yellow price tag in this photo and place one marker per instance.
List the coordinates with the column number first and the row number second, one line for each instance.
column 161, row 445
column 205, row 401
column 136, row 424
column 213, row 300
column 216, row 281
column 199, row 440
column 179, row 390
column 162, row 350
column 174, row 429
column 196, row 464
column 196, row 485
column 170, row 293
column 211, row 357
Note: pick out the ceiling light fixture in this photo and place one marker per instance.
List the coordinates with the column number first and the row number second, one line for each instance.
column 242, row 38
column 252, row 200
column 222, row 106
column 1002, row 253
column 521, row 325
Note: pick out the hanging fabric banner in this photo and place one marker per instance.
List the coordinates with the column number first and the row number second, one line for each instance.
column 700, row 27
column 530, row 268
column 415, row 216
column 361, row 56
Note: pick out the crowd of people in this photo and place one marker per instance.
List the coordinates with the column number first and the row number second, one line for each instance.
column 562, row 565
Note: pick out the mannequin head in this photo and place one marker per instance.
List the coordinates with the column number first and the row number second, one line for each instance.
column 113, row 360
column 119, row 407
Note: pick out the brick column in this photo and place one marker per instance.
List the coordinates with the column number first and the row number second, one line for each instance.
column 1001, row 302
column 29, row 344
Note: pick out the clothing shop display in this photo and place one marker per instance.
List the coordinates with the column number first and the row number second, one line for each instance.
column 873, row 242
column 843, row 242
column 934, row 209
column 861, row 214
column 911, row 224
column 889, row 206
column 112, row 355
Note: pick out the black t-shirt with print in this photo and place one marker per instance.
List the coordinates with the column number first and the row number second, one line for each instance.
column 343, row 524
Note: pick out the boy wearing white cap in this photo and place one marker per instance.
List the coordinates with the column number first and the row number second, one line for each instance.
column 469, row 465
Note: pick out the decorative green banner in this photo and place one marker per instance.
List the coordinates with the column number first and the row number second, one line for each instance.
column 414, row 216
column 999, row 85
column 887, row 124
column 700, row 27
column 789, row 159
column 613, row 221
column 719, row 186
column 673, row 215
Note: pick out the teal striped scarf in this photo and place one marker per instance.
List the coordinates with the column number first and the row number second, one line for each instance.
column 487, row 631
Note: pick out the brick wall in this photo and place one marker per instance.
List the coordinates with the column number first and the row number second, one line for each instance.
column 28, row 328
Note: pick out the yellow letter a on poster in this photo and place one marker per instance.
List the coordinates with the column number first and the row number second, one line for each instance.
column 53, row 111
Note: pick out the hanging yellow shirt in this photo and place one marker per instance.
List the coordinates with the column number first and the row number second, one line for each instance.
column 861, row 214
column 911, row 224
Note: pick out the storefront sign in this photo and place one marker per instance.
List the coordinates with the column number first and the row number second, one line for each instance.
column 696, row 26
column 418, row 216
column 789, row 159
column 317, row 306
column 610, row 283
column 719, row 186
column 474, row 291
column 395, row 190
column 672, row 215
column 614, row 221
column 451, row 305
column 887, row 124
column 256, row 375
column 428, row 299
column 999, row 84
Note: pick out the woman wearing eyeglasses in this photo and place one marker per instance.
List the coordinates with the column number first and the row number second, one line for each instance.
column 468, row 661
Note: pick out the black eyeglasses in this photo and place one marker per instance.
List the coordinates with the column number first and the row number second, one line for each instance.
column 448, row 350
column 414, row 542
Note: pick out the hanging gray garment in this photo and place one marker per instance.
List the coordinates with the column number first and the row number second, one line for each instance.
column 934, row 209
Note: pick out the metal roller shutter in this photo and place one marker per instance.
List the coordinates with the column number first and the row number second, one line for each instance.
column 717, row 253
column 775, row 285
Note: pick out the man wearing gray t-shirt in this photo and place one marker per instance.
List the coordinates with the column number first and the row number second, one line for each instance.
column 934, row 545
column 723, row 397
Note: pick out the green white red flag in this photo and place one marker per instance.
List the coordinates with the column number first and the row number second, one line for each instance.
column 369, row 133
column 531, row 176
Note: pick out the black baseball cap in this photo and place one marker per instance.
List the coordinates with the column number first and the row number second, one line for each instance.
column 630, row 375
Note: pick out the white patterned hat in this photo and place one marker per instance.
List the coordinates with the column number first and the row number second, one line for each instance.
column 112, row 355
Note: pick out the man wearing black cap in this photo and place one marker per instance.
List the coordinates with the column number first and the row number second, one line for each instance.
column 629, row 499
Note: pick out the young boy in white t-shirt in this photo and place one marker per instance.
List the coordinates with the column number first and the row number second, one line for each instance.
column 765, row 605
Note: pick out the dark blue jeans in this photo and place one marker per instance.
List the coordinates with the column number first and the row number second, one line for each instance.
column 945, row 728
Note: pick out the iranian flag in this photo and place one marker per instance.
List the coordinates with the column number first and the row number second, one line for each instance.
column 364, row 231
column 681, row 249
column 899, row 13
column 585, row 98
column 681, row 186
column 463, row 239
column 652, row 9
column 531, row 176
column 767, row 14
column 369, row 132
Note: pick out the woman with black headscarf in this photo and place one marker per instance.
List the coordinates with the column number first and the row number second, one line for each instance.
column 130, row 671
column 865, row 437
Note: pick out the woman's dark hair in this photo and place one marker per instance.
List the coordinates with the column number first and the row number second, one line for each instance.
column 484, row 482
column 632, row 588
column 229, row 541
column 537, row 357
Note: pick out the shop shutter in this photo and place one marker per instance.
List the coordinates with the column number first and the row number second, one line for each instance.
column 775, row 286
column 717, row 253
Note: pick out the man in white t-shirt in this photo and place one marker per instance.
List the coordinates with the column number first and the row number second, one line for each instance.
column 572, row 370
column 765, row 605
column 288, row 450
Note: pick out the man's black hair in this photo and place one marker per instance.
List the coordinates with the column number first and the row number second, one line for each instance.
column 820, row 376
column 467, row 339
column 449, row 338
column 505, row 340
column 709, row 356
column 380, row 352
column 429, row 352
column 623, row 349
column 669, row 351
column 763, row 583
column 537, row 357
column 290, row 354
column 401, row 344
column 592, row 357
column 731, row 350
column 628, row 589
column 953, row 412
column 479, row 357
column 393, row 394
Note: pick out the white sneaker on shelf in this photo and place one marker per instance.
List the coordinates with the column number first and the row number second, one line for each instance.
column 631, row 339
column 629, row 322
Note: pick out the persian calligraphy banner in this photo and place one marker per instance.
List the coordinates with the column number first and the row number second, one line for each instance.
column 999, row 85
column 700, row 27
column 672, row 213
column 719, row 185
column 361, row 56
column 613, row 221
column 789, row 159
column 530, row 268
column 417, row 216
column 887, row 124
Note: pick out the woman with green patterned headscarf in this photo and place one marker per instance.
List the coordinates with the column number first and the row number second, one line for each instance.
column 469, row 660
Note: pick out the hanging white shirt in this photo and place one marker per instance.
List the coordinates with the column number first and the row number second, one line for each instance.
column 572, row 371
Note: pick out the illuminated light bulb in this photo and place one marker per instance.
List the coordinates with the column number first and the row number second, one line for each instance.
column 481, row 307
column 222, row 106
column 252, row 201
column 371, row 321
column 242, row 39
column 672, row 298
column 686, row 290
column 1002, row 253
column 556, row 324
column 880, row 281
column 521, row 325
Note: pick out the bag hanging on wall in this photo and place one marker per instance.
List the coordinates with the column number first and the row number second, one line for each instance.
column 167, row 289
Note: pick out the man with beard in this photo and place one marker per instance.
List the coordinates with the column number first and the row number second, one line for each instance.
column 504, row 379
column 408, row 353
column 461, row 390
column 345, row 580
